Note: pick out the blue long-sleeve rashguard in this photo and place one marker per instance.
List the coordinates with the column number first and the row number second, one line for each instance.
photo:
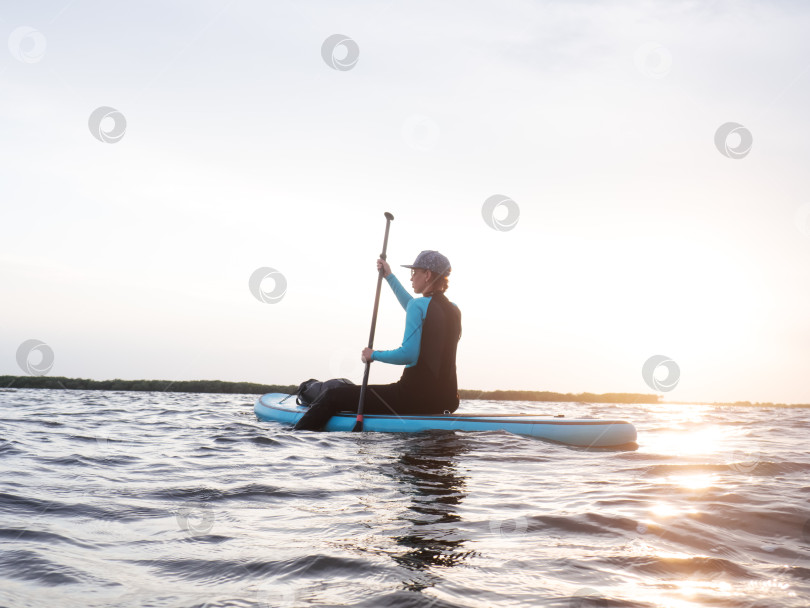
column 415, row 311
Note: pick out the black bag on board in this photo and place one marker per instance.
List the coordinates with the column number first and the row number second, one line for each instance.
column 310, row 390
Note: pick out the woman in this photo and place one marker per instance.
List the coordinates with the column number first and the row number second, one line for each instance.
column 432, row 329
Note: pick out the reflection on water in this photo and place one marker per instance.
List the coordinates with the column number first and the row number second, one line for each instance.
column 427, row 471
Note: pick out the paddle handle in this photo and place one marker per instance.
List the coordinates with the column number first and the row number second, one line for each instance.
column 358, row 425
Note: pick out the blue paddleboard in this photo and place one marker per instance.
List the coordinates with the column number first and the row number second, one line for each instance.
column 584, row 432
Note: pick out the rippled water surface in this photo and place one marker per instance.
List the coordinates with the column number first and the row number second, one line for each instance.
column 171, row 499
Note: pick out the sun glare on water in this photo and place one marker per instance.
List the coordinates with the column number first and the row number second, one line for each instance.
column 696, row 442
column 699, row 481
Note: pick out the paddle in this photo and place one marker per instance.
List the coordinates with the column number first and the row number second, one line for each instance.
column 358, row 426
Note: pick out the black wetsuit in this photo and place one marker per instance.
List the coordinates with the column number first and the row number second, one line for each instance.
column 427, row 387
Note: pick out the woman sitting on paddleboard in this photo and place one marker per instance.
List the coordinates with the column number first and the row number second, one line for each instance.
column 432, row 329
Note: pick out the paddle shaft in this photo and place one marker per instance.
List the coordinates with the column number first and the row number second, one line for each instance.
column 358, row 426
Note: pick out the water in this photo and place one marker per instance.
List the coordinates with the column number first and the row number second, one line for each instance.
column 181, row 500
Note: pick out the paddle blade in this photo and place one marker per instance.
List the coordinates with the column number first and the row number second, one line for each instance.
column 358, row 426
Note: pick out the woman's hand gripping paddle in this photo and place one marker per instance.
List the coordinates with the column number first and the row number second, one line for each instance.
column 358, row 426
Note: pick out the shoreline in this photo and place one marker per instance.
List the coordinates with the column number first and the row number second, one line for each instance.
column 8, row 383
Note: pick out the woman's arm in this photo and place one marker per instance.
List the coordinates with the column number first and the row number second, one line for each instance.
column 408, row 353
column 399, row 291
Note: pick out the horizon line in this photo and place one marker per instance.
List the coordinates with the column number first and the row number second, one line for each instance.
column 655, row 399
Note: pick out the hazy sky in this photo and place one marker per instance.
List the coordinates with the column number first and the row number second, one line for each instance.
column 236, row 141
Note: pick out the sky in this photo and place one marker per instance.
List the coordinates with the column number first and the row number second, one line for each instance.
column 615, row 184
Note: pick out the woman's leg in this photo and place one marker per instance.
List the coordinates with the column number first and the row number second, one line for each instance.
column 334, row 400
column 404, row 399
column 387, row 399
column 381, row 399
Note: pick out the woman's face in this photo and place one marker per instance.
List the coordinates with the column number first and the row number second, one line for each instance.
column 419, row 279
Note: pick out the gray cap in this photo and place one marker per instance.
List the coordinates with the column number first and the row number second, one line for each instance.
column 431, row 260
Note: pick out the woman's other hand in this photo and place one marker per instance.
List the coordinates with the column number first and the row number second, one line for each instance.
column 381, row 263
column 365, row 357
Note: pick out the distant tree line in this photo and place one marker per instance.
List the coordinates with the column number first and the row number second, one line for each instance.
column 251, row 388
column 558, row 397
column 181, row 386
column 218, row 386
column 764, row 404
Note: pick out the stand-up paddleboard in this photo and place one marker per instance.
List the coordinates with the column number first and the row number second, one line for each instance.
column 585, row 432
